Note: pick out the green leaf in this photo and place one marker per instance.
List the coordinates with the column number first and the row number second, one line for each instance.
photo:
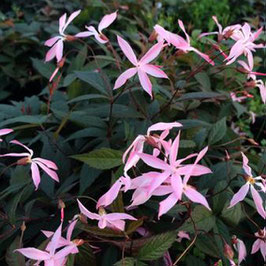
column 102, row 159
column 203, row 219
column 232, row 215
column 217, row 131
column 14, row 258
column 87, row 97
column 45, row 69
column 156, row 246
column 85, row 256
column 27, row 119
column 94, row 79
column 106, row 232
column 198, row 96
column 127, row 261
column 204, row 81
column 206, row 244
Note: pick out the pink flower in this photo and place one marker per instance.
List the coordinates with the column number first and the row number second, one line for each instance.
column 227, row 32
column 244, row 44
column 179, row 42
column 142, row 66
column 238, row 99
column 241, row 249
column 50, row 257
column 249, row 185
column 57, row 43
column 131, row 157
column 182, row 235
column 64, row 241
column 5, row 131
column 111, row 220
column 260, row 243
column 106, row 21
column 262, row 87
column 46, row 165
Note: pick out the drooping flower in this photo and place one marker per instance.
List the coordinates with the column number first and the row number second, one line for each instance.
column 179, row 42
column 65, row 241
column 240, row 248
column 47, row 166
column 250, row 185
column 106, row 21
column 260, row 243
column 111, row 220
column 5, row 131
column 262, row 88
column 57, row 43
column 141, row 67
column 226, row 33
column 182, row 235
column 50, row 257
column 236, row 98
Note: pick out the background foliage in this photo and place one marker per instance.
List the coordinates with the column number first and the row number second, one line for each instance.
column 86, row 139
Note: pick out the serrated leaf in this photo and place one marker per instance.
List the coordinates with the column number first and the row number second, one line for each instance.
column 106, row 232
column 217, row 131
column 232, row 215
column 45, row 69
column 202, row 217
column 85, row 256
column 102, row 159
column 156, row 246
column 206, row 244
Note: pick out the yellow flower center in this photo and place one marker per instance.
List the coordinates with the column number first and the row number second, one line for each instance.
column 251, row 180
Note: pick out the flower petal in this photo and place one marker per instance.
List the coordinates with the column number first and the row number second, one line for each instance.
column 107, row 20
column 59, row 50
column 195, row 196
column 152, row 53
column 71, row 17
column 47, row 170
column 127, row 50
column 167, row 204
column 145, row 81
column 121, row 80
column 35, row 175
column 34, row 253
column 50, row 42
column 87, row 213
column 154, row 71
column 258, row 202
column 240, row 195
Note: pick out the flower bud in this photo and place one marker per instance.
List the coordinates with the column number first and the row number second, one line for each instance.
column 70, row 38
column 228, row 251
column 78, row 242
column 23, row 161
column 153, row 36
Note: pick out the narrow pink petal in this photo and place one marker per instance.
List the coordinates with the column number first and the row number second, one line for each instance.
column 167, row 204
column 174, row 150
column 195, row 196
column 255, row 246
column 181, row 25
column 236, row 50
column 24, row 154
column 34, row 254
column 119, row 224
column 193, row 170
column 5, row 131
column 256, row 34
column 127, row 50
column 258, row 202
column 121, row 80
column 139, row 197
column 70, row 229
column 263, row 249
column 240, row 195
column 107, row 20
column 242, row 252
column 177, row 185
column 59, row 50
column 152, row 53
column 47, row 233
column 246, row 167
column 220, row 28
column 162, row 190
column 55, row 239
column 84, row 34
column 90, row 215
column 22, row 145
column 204, row 56
column 154, row 71
column 71, row 17
column 119, row 216
column 35, row 175
column 50, row 54
column 208, row 33
column 163, row 126
column 154, row 162
column 107, row 198
column 63, row 253
column 102, row 222
column 46, row 162
column 47, row 170
column 145, row 81
column 52, row 41
column 62, row 22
